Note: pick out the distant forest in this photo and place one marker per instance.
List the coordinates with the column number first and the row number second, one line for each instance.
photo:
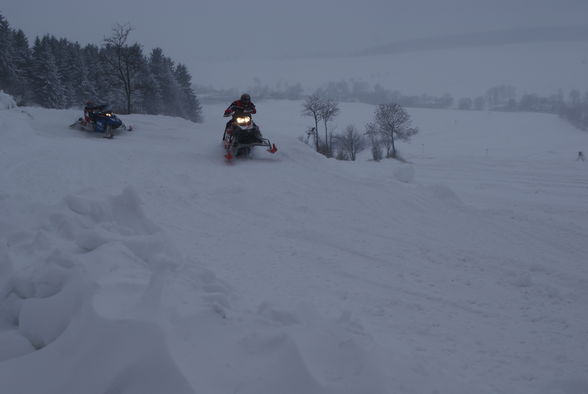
column 57, row 73
column 572, row 106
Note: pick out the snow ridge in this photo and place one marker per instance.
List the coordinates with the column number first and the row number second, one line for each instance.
column 55, row 283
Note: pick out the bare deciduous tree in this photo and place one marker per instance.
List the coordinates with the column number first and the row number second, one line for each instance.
column 328, row 110
column 391, row 122
column 350, row 143
column 125, row 60
column 321, row 108
column 312, row 107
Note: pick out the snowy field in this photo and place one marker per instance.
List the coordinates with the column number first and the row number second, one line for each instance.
column 146, row 264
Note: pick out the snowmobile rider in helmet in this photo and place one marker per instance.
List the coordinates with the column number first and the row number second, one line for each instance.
column 91, row 109
column 243, row 105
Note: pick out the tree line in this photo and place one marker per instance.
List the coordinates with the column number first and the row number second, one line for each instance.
column 57, row 73
column 572, row 106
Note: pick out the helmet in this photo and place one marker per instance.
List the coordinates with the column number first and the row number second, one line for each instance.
column 245, row 98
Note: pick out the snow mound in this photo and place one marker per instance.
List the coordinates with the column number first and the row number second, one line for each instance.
column 56, row 276
column 6, row 101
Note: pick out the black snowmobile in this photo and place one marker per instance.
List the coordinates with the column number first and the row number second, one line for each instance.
column 242, row 135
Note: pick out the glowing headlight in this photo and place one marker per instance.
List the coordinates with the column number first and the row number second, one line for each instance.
column 107, row 114
column 243, row 120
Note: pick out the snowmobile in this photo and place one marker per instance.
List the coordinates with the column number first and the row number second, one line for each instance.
column 100, row 119
column 242, row 135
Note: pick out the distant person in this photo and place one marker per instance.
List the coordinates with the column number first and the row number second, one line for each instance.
column 580, row 156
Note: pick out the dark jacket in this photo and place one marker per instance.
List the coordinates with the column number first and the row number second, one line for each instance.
column 90, row 111
column 239, row 106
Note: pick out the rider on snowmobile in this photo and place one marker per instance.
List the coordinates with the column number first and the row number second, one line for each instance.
column 242, row 106
column 241, row 133
column 90, row 111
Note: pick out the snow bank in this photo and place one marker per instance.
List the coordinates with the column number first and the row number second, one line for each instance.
column 56, row 263
column 6, row 101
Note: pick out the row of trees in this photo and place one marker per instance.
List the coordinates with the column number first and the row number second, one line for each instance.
column 56, row 73
column 391, row 122
column 573, row 106
column 259, row 90
column 343, row 91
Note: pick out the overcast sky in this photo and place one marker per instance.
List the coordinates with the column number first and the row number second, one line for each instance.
column 190, row 30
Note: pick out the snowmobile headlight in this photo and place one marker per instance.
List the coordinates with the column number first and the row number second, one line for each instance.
column 108, row 114
column 243, row 120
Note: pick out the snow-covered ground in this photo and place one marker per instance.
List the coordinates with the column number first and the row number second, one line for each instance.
column 146, row 264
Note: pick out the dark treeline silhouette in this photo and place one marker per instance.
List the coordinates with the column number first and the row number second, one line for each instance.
column 363, row 92
column 57, row 73
column 344, row 91
column 573, row 106
column 281, row 91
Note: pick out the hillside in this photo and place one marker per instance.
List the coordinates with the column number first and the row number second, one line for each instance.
column 487, row 38
column 146, row 264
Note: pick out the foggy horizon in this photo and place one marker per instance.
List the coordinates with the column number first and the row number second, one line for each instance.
column 232, row 44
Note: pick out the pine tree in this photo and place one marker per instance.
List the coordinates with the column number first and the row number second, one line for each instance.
column 7, row 66
column 149, row 99
column 47, row 84
column 162, row 69
column 191, row 106
column 22, row 61
column 91, row 73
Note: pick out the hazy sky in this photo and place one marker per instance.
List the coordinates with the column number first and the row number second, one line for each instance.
column 190, row 30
